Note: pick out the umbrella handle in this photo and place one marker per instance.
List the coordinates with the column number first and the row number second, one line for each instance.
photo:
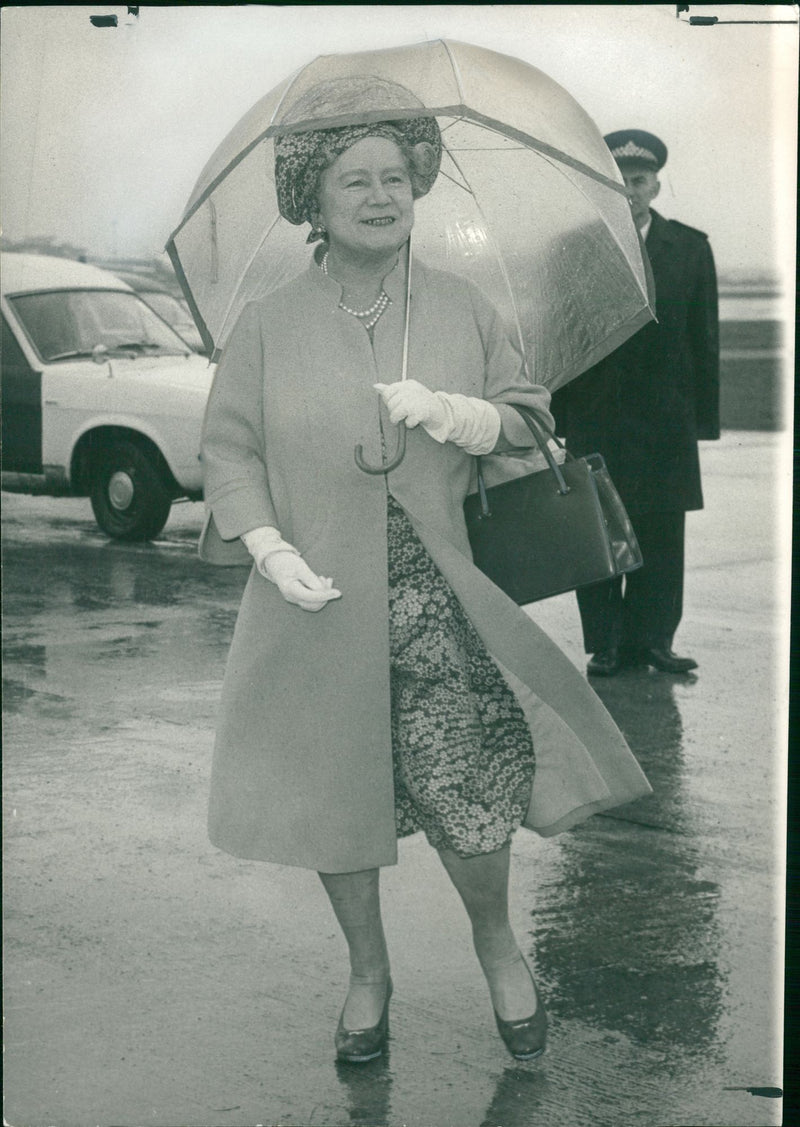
column 385, row 467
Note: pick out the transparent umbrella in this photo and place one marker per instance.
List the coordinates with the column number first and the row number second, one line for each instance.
column 528, row 203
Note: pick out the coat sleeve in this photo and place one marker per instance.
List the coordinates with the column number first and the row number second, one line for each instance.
column 703, row 334
column 236, row 484
column 506, row 381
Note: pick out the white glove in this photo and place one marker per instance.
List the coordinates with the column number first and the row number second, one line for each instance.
column 283, row 565
column 412, row 402
column 260, row 542
column 297, row 582
column 474, row 424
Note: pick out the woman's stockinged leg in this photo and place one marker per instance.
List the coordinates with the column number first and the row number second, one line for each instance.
column 355, row 899
column 482, row 883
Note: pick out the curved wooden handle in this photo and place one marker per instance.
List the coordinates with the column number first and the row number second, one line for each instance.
column 385, row 467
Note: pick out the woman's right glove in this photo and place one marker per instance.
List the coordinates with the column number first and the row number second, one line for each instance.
column 283, row 565
column 297, row 582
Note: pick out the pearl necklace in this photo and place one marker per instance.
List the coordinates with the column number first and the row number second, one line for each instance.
column 368, row 317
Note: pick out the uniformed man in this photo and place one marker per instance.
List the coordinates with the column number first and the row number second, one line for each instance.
column 644, row 408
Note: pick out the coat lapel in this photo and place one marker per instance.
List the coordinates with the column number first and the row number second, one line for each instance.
column 660, row 240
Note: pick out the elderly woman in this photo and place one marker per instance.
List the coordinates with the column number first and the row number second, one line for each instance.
column 378, row 684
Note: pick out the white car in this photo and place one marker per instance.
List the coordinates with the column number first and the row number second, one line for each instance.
column 100, row 396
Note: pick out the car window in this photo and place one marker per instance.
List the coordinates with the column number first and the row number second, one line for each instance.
column 176, row 313
column 68, row 323
column 166, row 305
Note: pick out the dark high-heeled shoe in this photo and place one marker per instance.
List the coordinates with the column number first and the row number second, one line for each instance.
column 359, row 1045
column 525, row 1039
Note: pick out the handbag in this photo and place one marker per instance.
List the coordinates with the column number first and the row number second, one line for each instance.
column 551, row 531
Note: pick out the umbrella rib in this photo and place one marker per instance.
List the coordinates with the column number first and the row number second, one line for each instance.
column 555, row 164
column 455, row 121
column 245, row 272
column 180, row 273
column 456, row 71
column 489, row 148
column 464, row 187
column 530, row 142
column 503, row 269
column 290, row 84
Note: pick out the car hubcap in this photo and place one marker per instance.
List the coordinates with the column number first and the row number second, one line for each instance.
column 120, row 490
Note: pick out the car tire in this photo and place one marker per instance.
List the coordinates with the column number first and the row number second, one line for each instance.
column 129, row 498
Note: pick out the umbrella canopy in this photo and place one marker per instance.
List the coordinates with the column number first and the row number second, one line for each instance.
column 528, row 203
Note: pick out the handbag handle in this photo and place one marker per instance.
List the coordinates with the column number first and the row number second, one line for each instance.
column 540, row 433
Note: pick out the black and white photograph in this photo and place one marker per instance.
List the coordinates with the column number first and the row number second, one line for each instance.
column 397, row 500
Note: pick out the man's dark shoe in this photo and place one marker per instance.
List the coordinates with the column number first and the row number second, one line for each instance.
column 605, row 663
column 661, row 657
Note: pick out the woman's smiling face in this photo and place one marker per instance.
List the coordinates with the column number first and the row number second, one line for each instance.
column 365, row 199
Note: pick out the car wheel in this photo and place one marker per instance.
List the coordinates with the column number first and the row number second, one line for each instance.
column 129, row 498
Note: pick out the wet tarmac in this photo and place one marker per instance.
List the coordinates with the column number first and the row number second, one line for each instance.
column 153, row 980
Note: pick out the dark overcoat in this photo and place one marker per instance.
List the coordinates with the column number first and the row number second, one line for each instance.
column 302, row 769
column 645, row 406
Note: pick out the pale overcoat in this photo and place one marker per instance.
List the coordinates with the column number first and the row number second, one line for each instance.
column 302, row 768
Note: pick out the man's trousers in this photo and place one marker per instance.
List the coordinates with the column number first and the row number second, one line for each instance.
column 641, row 609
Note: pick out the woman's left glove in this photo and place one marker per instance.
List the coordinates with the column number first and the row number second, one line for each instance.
column 411, row 402
column 471, row 423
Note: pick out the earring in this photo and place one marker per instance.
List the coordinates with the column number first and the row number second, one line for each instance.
column 316, row 233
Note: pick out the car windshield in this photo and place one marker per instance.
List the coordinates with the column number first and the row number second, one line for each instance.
column 166, row 305
column 70, row 323
column 175, row 313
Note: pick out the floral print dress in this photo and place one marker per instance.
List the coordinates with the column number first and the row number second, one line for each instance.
column 462, row 750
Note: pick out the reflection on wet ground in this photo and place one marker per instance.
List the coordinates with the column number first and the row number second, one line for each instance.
column 367, row 1091
column 108, row 614
column 518, row 1091
column 644, row 947
column 644, row 707
column 638, row 951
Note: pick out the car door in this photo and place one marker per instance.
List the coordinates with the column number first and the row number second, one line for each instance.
column 22, row 408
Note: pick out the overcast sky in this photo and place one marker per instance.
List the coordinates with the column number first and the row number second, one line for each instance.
column 104, row 130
